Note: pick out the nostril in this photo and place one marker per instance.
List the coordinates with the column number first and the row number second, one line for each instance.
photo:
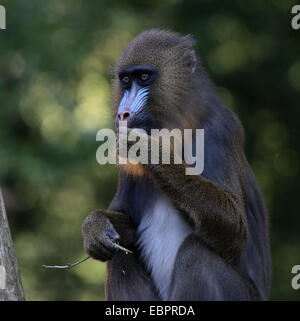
column 126, row 114
column 123, row 116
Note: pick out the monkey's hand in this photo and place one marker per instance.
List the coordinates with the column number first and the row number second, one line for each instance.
column 102, row 229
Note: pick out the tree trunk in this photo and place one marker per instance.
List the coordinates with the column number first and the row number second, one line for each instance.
column 10, row 283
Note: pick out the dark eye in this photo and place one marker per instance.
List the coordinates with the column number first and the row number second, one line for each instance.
column 144, row 76
column 125, row 79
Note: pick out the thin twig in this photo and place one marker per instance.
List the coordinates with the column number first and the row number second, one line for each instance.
column 118, row 246
column 68, row 266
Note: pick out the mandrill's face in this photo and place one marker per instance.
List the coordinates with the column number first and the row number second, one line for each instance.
column 137, row 83
column 154, row 82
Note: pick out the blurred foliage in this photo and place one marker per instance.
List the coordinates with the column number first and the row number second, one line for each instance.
column 55, row 68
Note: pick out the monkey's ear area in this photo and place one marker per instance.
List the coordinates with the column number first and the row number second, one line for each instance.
column 191, row 60
column 190, row 54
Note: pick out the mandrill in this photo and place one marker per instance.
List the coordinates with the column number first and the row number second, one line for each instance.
column 192, row 237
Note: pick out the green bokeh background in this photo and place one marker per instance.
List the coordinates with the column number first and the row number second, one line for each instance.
column 55, row 64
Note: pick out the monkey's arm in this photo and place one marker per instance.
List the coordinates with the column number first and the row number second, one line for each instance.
column 102, row 229
column 217, row 215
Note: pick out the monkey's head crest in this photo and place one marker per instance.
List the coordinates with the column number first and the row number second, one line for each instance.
column 162, row 49
column 155, row 80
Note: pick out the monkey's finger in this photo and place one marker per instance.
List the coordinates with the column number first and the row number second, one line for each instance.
column 111, row 246
column 98, row 251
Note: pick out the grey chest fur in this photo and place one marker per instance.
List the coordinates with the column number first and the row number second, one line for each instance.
column 160, row 234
